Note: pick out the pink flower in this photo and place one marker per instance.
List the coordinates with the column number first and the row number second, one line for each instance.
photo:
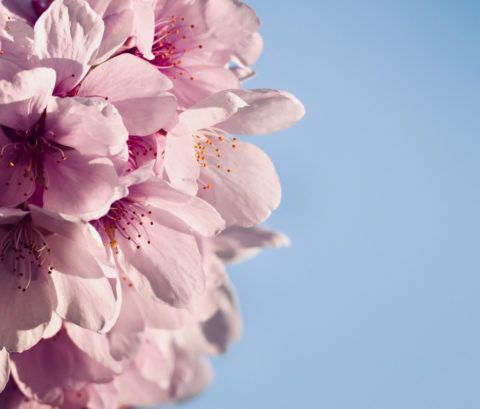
column 56, row 151
column 49, row 264
column 235, row 177
column 193, row 41
column 149, row 231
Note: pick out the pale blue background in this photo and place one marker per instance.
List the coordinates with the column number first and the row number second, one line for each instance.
column 376, row 305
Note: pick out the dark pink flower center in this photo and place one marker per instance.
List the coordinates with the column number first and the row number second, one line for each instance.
column 25, row 253
column 27, row 150
column 128, row 219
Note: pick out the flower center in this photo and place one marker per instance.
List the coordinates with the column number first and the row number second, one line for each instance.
column 127, row 219
column 140, row 150
column 27, row 150
column 25, row 253
column 209, row 145
column 172, row 41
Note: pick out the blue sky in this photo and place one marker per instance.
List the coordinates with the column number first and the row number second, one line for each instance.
column 376, row 305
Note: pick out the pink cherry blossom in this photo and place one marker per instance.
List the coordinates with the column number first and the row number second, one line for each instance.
column 193, row 42
column 48, row 264
column 56, row 151
column 149, row 231
column 235, row 177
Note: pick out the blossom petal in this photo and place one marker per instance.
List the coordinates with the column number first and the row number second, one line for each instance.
column 24, row 97
column 215, row 109
column 85, row 297
column 194, row 212
column 118, row 18
column 207, row 80
column 16, row 37
column 180, row 162
column 245, row 189
column 138, row 91
column 125, row 337
column 225, row 326
column 67, row 37
column 92, row 126
column 238, row 243
column 48, row 370
column 24, row 315
column 169, row 268
column 4, row 369
column 144, row 27
column 81, row 186
column 95, row 345
column 267, row 111
column 233, row 24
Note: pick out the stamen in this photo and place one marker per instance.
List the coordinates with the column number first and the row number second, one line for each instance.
column 169, row 48
column 209, row 145
column 25, row 253
column 127, row 219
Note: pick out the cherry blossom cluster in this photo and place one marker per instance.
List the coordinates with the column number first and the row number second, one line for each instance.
column 126, row 187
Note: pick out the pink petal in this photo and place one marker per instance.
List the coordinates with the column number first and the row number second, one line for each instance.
column 238, row 243
column 168, row 269
column 209, row 112
column 233, row 24
column 137, row 89
column 118, row 18
column 16, row 37
column 95, row 345
column 146, row 381
column 81, row 186
column 24, row 315
column 245, row 169
column 267, row 111
column 207, row 80
column 160, row 315
column 225, row 326
column 201, row 376
column 67, row 38
column 54, row 366
column 194, row 212
column 144, row 26
column 85, row 296
column 180, row 161
column 91, row 126
column 24, row 97
column 125, row 336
